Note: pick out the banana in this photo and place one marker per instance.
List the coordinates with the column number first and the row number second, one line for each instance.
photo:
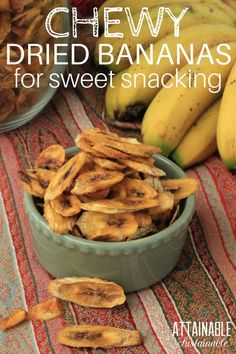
column 200, row 141
column 111, row 95
column 226, row 127
column 128, row 99
column 197, row 14
column 136, row 6
column 175, row 109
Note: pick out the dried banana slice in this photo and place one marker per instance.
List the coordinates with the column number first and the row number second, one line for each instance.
column 51, row 158
column 42, row 175
column 137, row 188
column 5, row 25
column 96, row 132
column 108, row 164
column 155, row 183
column 89, row 292
column 140, row 150
column 143, row 219
column 144, row 232
column 101, row 194
column 103, row 227
column 65, row 176
column 4, row 6
column 58, row 223
column 46, row 310
column 7, row 103
column 98, row 337
column 85, row 146
column 24, row 19
column 110, row 152
column 115, row 206
column 14, row 319
column 100, row 135
column 88, row 166
column 144, row 160
column 31, row 184
column 166, row 200
column 144, row 168
column 17, row 6
column 132, row 174
column 118, row 191
column 66, row 205
column 7, row 77
column 19, row 32
column 181, row 188
column 94, row 181
column 31, row 30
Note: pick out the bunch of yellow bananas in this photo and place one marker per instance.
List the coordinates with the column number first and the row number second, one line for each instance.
column 187, row 123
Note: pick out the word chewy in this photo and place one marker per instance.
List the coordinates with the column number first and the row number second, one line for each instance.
column 154, row 25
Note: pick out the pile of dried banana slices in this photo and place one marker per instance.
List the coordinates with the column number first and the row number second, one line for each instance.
column 110, row 190
column 22, row 22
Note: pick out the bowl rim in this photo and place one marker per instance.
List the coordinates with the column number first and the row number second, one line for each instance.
column 164, row 235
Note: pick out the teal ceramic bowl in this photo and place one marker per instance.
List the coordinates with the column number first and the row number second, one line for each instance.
column 134, row 265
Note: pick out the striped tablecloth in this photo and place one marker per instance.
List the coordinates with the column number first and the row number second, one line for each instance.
column 201, row 288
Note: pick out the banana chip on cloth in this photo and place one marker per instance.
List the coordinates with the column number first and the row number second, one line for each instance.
column 88, row 292
column 14, row 319
column 46, row 310
column 98, row 337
